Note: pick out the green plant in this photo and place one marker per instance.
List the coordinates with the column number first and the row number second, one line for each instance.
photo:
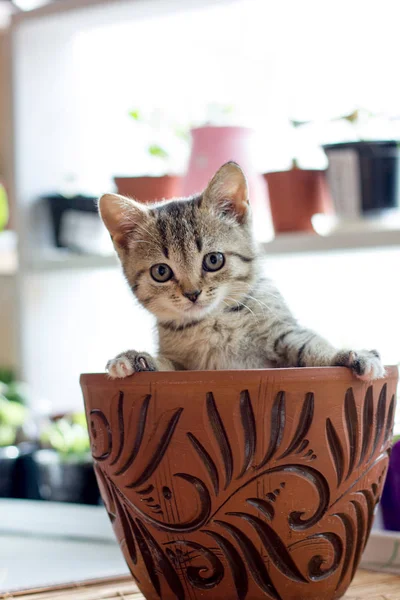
column 13, row 413
column 164, row 137
column 7, row 375
column 3, row 207
column 69, row 437
column 12, row 417
column 160, row 128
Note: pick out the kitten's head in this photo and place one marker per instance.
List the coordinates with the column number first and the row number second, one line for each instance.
column 188, row 257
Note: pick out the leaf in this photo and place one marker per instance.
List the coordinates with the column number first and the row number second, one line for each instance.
column 278, row 416
column 254, row 560
column 135, row 114
column 139, row 435
column 351, row 418
column 336, row 450
column 147, row 559
column 206, row 460
column 235, row 562
column 221, row 437
column 163, row 563
column 305, row 420
column 349, row 545
column 159, row 451
column 120, row 428
column 264, row 506
column 360, row 535
column 380, row 419
column 249, row 431
column 274, row 546
column 368, row 416
column 157, row 151
column 389, row 423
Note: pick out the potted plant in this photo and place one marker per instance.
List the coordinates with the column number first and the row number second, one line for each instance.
column 12, row 418
column 363, row 167
column 158, row 139
column 217, row 138
column 391, row 492
column 3, row 207
column 296, row 195
column 63, row 464
column 241, row 484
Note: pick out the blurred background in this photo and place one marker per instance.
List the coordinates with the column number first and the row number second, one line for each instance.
column 149, row 97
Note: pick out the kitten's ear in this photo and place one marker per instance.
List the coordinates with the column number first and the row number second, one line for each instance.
column 228, row 189
column 120, row 215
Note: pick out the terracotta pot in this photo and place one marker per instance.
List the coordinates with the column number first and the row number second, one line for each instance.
column 149, row 189
column 295, row 196
column 245, row 484
column 214, row 146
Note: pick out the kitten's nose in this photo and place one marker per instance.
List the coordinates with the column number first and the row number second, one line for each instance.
column 192, row 296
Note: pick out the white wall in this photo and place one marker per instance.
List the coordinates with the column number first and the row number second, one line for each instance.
column 73, row 322
column 8, row 321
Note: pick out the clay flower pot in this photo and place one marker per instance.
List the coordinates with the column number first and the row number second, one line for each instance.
column 212, row 147
column 295, row 197
column 246, row 484
column 148, row 189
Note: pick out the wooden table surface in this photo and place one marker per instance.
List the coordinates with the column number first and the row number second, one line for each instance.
column 367, row 585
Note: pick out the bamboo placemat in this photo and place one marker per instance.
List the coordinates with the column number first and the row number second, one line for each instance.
column 366, row 586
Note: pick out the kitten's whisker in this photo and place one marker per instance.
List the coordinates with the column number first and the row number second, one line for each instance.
column 242, row 304
column 259, row 302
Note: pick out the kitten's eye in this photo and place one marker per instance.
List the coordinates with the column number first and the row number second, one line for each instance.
column 213, row 261
column 161, row 273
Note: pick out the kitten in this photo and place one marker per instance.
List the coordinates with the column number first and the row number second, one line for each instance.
column 193, row 263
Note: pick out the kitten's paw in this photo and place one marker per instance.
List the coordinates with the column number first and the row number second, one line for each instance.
column 365, row 364
column 130, row 362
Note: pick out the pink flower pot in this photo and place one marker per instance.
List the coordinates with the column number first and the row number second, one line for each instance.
column 214, row 146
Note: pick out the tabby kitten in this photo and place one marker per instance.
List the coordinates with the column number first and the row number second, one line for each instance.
column 193, row 263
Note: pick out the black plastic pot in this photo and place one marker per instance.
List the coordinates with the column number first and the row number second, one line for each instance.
column 8, row 461
column 59, row 205
column 25, row 475
column 18, row 472
column 60, row 481
column 374, row 172
column 390, row 501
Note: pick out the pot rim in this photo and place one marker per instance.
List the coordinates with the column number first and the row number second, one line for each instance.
column 135, row 177
column 312, row 374
column 222, row 127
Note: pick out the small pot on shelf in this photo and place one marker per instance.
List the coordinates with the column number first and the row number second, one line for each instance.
column 363, row 177
column 212, row 146
column 8, row 464
column 148, row 189
column 65, row 481
column 390, row 502
column 295, row 197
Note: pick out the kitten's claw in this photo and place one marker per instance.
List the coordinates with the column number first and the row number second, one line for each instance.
column 365, row 364
column 127, row 363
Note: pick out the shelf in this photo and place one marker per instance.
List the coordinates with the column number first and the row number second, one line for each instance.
column 292, row 243
column 55, row 260
column 8, row 253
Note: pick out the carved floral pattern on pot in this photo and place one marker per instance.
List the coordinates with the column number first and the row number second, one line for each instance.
column 225, row 490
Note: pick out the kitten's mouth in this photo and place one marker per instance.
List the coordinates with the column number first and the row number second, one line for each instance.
column 196, row 308
column 201, row 307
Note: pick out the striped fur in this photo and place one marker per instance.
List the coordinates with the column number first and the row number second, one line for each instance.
column 240, row 320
